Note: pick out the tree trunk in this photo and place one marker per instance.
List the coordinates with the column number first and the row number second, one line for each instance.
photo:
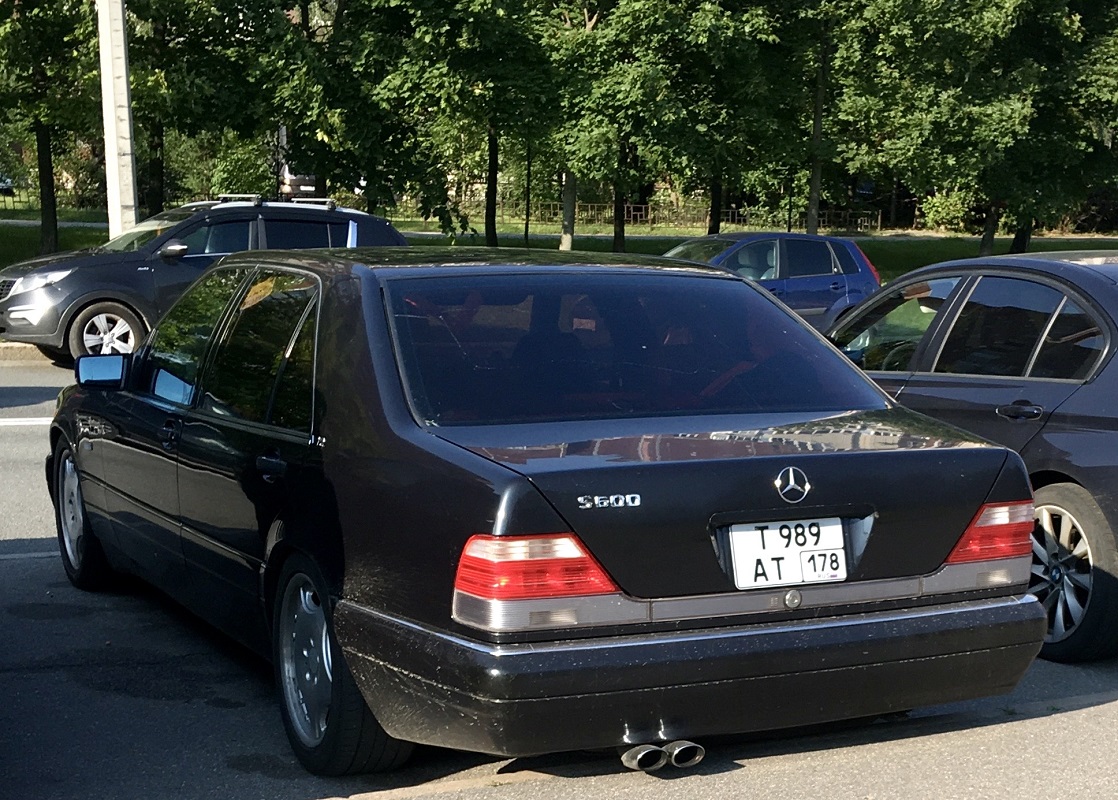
column 619, row 197
column 1022, row 237
column 989, row 229
column 491, row 192
column 156, row 191
column 570, row 201
column 893, row 202
column 714, row 224
column 48, row 204
column 527, row 190
column 816, row 181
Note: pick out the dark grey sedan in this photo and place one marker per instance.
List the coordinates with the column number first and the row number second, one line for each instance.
column 1020, row 350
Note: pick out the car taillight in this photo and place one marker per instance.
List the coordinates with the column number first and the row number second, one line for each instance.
column 998, row 530
column 873, row 269
column 529, row 568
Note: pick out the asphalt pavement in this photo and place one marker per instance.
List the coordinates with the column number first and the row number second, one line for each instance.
column 121, row 694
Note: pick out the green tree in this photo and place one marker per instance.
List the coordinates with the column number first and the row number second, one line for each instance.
column 48, row 81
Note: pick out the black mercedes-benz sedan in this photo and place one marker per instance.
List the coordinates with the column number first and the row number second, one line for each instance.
column 519, row 504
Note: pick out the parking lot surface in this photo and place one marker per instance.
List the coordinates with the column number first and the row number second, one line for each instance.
column 123, row 695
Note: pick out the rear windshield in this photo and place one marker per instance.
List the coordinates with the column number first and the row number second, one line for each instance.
column 562, row 346
column 700, row 249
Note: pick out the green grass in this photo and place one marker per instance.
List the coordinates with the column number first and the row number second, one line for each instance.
column 18, row 243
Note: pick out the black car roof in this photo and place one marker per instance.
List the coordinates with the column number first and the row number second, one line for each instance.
column 336, row 261
column 1073, row 265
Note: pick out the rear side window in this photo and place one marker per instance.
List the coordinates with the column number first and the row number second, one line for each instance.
column 261, row 335
column 847, row 263
column 999, row 328
column 292, row 234
column 525, row 348
column 1071, row 347
column 807, row 257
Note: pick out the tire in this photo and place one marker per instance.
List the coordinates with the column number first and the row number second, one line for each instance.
column 331, row 729
column 1075, row 561
column 105, row 328
column 82, row 556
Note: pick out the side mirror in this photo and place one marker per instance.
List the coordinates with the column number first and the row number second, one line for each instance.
column 101, row 371
column 173, row 249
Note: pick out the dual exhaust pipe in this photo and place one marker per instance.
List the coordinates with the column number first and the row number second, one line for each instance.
column 650, row 757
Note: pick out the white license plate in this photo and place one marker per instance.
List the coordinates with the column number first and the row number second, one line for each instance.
column 787, row 553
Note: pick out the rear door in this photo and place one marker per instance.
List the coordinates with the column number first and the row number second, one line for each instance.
column 813, row 278
column 1014, row 352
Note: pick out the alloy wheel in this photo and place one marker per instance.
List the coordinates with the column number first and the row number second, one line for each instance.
column 108, row 333
column 70, row 512
column 1061, row 572
column 306, row 668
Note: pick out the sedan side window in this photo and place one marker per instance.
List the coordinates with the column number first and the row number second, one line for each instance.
column 179, row 343
column 886, row 337
column 1072, row 346
column 240, row 379
column 999, row 328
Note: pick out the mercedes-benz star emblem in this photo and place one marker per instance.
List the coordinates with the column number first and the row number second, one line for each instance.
column 792, row 484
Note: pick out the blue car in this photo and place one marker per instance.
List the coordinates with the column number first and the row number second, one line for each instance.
column 819, row 277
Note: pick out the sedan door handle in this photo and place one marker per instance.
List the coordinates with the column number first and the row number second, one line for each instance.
column 836, row 287
column 1019, row 410
column 271, row 467
column 169, row 434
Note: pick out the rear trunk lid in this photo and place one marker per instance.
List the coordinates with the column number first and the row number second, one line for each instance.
column 658, row 501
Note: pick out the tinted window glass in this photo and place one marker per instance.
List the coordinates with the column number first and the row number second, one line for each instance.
column 284, row 234
column 756, row 260
column 806, row 257
column 699, row 249
column 886, row 337
column 339, row 234
column 998, row 328
column 1071, row 347
column 219, row 238
column 846, row 259
column 180, row 341
column 293, row 404
column 524, row 348
column 240, row 379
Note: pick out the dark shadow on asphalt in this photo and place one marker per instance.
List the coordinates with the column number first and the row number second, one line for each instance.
column 20, row 547
column 17, row 396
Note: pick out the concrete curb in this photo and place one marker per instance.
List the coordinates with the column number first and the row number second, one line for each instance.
column 12, row 352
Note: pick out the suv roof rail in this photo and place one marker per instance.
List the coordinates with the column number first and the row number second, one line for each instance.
column 316, row 201
column 255, row 199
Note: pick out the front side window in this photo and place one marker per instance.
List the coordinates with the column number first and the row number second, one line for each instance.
column 525, row 348
column 999, row 328
column 219, row 238
column 136, row 237
column 807, row 257
column 756, row 260
column 179, row 343
column 241, row 378
column 887, row 336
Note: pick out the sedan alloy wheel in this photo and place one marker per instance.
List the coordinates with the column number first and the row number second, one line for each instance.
column 1061, row 575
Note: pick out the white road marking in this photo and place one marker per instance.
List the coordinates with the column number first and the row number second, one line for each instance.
column 14, row 422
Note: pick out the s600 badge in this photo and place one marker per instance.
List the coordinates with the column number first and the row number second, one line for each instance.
column 609, row 500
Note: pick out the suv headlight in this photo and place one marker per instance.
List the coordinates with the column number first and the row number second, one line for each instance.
column 37, row 280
